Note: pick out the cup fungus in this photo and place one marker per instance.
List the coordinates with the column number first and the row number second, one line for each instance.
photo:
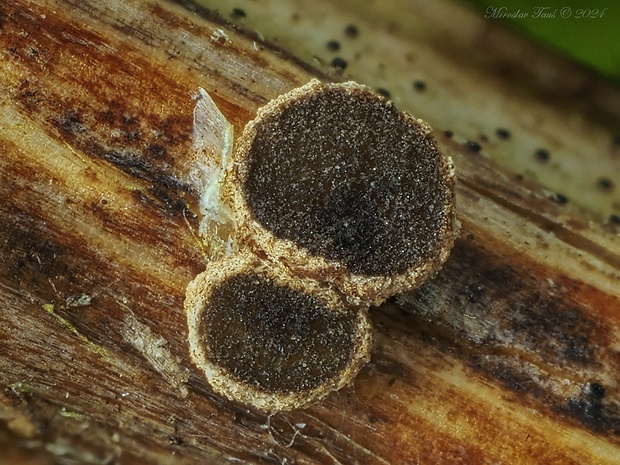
column 265, row 338
column 335, row 182
column 336, row 201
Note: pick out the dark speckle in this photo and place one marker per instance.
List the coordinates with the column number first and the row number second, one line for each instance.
column 128, row 120
column 238, row 13
column 589, row 409
column 614, row 219
column 448, row 133
column 542, row 155
column 419, row 85
column 339, row 63
column 473, row 146
column 72, row 123
column 175, row 440
column 503, row 133
column 560, row 198
column 605, row 184
column 351, row 31
column 157, row 151
column 473, row 293
column 384, row 92
column 594, row 390
column 616, row 140
column 333, row 45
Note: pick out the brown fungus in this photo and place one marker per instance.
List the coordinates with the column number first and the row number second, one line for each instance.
column 334, row 200
column 338, row 184
column 267, row 339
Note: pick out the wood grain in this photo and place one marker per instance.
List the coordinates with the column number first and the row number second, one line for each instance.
column 510, row 355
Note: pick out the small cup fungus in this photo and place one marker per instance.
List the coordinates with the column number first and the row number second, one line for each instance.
column 269, row 339
column 337, row 201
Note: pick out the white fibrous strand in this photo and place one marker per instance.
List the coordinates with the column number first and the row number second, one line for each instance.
column 213, row 143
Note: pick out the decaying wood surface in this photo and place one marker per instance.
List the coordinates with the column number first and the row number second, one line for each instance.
column 510, row 355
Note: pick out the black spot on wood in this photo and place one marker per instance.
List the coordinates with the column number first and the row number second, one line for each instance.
column 560, row 198
column 71, row 123
column 351, row 31
column 419, row 85
column 339, row 63
column 156, row 151
column 590, row 410
column 542, row 155
column 238, row 13
column 502, row 133
column 333, row 45
column 605, row 184
column 473, row 146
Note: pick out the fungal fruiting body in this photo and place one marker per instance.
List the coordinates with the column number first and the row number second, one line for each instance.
column 337, row 201
column 334, row 181
column 271, row 340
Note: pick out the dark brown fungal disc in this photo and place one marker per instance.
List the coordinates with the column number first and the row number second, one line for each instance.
column 290, row 332
column 267, row 339
column 337, row 183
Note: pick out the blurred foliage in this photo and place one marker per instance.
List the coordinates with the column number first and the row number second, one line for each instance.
column 586, row 30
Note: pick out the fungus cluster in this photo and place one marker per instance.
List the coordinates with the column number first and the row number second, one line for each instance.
column 337, row 201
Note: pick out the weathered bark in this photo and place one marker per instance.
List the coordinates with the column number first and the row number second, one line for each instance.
column 510, row 355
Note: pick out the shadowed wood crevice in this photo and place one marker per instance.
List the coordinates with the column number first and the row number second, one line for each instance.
column 532, row 335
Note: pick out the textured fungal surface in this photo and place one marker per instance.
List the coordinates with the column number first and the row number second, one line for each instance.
column 273, row 336
column 346, row 177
